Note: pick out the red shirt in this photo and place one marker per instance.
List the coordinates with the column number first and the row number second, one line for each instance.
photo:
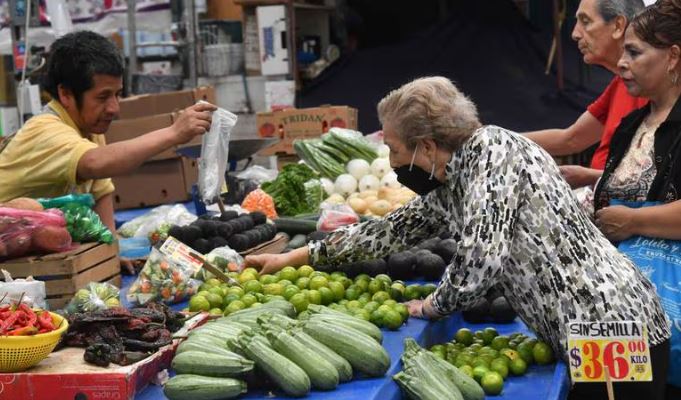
column 613, row 104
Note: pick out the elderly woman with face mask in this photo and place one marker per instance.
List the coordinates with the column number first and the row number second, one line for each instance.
column 517, row 224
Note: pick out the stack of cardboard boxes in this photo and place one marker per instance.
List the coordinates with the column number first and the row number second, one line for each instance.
column 167, row 177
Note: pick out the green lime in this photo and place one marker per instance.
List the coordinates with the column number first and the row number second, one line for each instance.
column 362, row 285
column 518, row 367
column 385, row 278
column 390, row 302
column 249, row 299
column 441, row 354
column 490, row 351
column 499, row 343
column 290, row 291
column 362, row 314
column 427, row 289
column 510, row 354
column 479, row 372
column 463, row 359
column 352, row 293
column 526, row 353
column 299, row 302
column 229, row 298
column 247, row 277
column 199, row 303
column 303, row 282
column 318, row 282
column 267, row 279
column 353, row 305
column 392, row 320
column 234, row 306
column 466, row 369
column 288, row 273
column 213, row 282
column 542, row 353
column 250, row 270
column 377, row 317
column 362, row 277
column 273, row 297
column 437, row 347
column 285, row 282
column 371, row 306
column 380, row 297
column 215, row 311
column 314, row 297
column 480, row 361
column 403, row 310
column 364, row 298
column 464, row 336
column 337, row 276
column 346, row 282
column 274, row 289
column 476, row 347
column 253, row 286
column 236, row 290
column 412, row 292
column 216, row 290
column 215, row 300
column 202, row 293
column 338, row 290
column 492, row 383
column 397, row 291
column 499, row 365
column 376, row 286
column 488, row 334
column 502, row 359
column 305, row 270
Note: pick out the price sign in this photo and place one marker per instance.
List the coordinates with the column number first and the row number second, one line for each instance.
column 181, row 254
column 620, row 346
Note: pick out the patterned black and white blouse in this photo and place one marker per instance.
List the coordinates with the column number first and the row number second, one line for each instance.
column 519, row 228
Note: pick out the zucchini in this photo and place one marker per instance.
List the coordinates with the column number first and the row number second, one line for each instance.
column 297, row 241
column 351, row 322
column 469, row 388
column 416, row 389
column 341, row 364
column 196, row 345
column 360, row 349
column 209, row 340
column 208, row 364
column 285, row 373
column 323, row 375
column 294, row 226
column 434, row 378
column 196, row 387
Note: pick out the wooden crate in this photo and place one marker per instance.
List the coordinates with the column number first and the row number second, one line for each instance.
column 65, row 273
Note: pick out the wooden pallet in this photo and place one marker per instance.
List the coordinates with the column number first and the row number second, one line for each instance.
column 65, row 273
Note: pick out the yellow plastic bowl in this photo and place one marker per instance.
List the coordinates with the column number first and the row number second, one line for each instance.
column 18, row 353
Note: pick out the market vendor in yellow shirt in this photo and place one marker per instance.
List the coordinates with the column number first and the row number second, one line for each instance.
column 63, row 149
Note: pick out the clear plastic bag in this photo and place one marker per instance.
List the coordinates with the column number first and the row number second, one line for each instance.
column 258, row 174
column 28, row 291
column 82, row 222
column 24, row 232
column 93, row 297
column 162, row 280
column 224, row 258
column 335, row 216
column 214, row 153
column 146, row 224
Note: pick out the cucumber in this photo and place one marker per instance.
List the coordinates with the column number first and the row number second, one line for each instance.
column 285, row 373
column 341, row 364
column 294, row 226
column 323, row 375
column 208, row 364
column 360, row 349
column 351, row 322
column 416, row 389
column 297, row 241
column 195, row 387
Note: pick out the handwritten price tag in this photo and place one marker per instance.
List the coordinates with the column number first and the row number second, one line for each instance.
column 621, row 346
column 182, row 254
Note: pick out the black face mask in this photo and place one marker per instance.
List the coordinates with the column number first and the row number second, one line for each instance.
column 416, row 179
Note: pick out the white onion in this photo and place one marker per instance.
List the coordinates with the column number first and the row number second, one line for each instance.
column 327, row 184
column 358, row 168
column 345, row 184
column 380, row 167
column 383, row 151
column 369, row 182
column 390, row 180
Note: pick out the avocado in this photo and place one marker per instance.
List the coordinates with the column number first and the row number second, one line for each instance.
column 445, row 235
column 401, row 265
column 478, row 312
column 218, row 241
column 191, row 234
column 429, row 244
column 317, row 235
column 206, row 217
column 177, row 232
column 228, row 215
column 238, row 242
column 225, row 230
column 446, row 249
column 258, row 217
column 493, row 293
column 201, row 245
column 208, row 229
column 248, row 221
column 375, row 267
column 430, row 266
column 502, row 312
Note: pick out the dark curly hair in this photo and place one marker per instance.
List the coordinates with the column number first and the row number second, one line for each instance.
column 660, row 24
column 75, row 58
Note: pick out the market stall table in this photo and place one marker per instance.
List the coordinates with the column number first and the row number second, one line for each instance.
column 541, row 382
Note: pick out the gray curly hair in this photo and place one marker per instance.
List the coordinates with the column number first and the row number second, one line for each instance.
column 430, row 108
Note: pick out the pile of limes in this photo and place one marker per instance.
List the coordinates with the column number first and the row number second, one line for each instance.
column 372, row 299
column 490, row 358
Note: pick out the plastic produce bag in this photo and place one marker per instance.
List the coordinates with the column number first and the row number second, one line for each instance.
column 214, row 153
column 25, row 232
column 258, row 174
column 95, row 296
column 163, row 280
column 226, row 259
column 82, row 222
column 28, row 291
column 150, row 222
column 335, row 216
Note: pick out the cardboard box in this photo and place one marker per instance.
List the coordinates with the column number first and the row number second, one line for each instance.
column 272, row 39
column 155, row 183
column 65, row 375
column 159, row 103
column 9, row 120
column 223, row 9
column 65, row 273
column 302, row 123
column 8, row 90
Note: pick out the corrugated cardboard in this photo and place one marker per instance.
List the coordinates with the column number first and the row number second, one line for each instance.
column 126, row 129
column 8, row 91
column 302, row 123
column 223, row 9
column 159, row 103
column 156, row 182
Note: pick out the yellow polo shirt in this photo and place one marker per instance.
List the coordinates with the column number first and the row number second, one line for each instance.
column 42, row 159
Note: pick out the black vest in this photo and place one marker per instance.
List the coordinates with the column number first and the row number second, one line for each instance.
column 666, row 186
